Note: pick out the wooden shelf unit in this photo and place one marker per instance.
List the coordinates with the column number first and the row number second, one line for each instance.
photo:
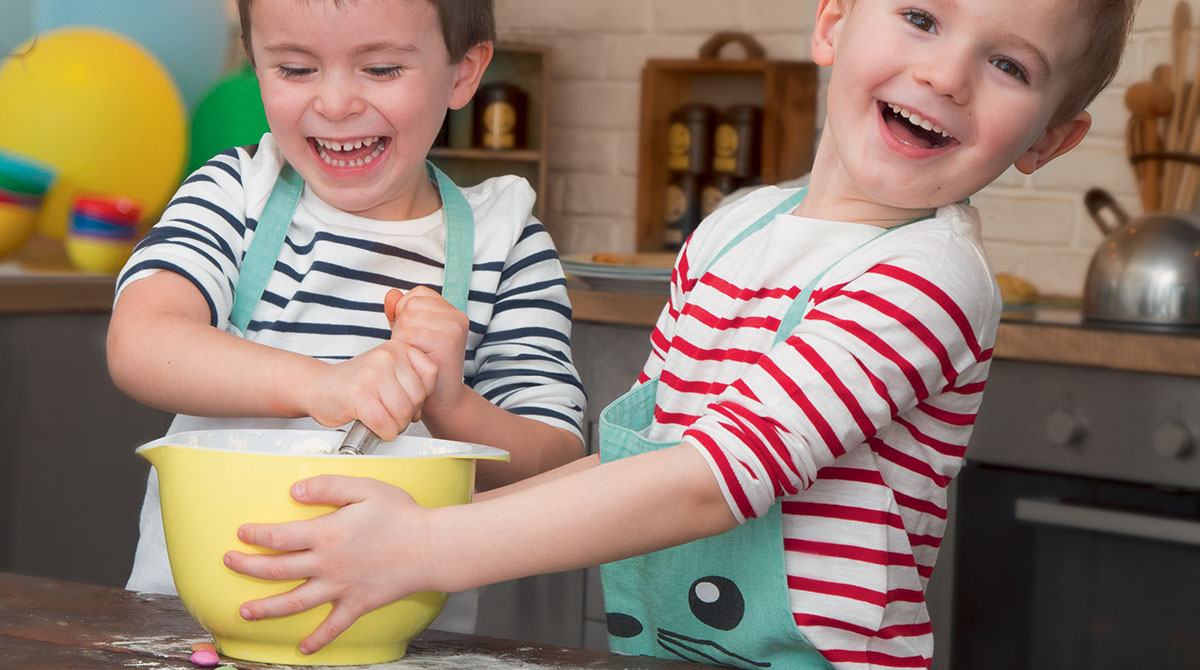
column 786, row 90
column 527, row 66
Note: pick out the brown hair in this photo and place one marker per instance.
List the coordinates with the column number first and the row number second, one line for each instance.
column 465, row 23
column 1111, row 21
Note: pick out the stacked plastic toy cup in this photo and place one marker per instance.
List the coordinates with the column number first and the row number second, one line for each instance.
column 23, row 183
column 102, row 232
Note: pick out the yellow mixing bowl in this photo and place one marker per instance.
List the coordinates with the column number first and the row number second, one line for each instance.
column 211, row 482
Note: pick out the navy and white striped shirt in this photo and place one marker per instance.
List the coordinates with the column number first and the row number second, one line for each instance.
column 325, row 296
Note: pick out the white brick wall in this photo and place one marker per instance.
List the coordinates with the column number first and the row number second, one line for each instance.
column 1036, row 227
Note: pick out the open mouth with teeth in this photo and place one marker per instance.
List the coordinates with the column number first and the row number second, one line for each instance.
column 349, row 153
column 911, row 129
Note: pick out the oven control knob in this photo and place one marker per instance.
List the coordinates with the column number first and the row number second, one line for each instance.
column 1172, row 440
column 1063, row 428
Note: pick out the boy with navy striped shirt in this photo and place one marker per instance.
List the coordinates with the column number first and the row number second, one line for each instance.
column 354, row 321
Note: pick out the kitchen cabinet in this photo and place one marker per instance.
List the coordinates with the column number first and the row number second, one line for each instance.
column 70, row 485
column 527, row 67
column 785, row 90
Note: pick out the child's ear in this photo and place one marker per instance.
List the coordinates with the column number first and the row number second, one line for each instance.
column 469, row 72
column 825, row 31
column 1055, row 142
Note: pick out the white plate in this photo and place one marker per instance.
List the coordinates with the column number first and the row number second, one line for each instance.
column 614, row 278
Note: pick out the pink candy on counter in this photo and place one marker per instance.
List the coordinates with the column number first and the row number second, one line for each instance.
column 205, row 658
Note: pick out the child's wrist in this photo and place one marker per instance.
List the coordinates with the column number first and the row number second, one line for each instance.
column 299, row 398
column 450, row 413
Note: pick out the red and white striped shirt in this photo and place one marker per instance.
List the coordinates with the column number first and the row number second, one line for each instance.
column 856, row 422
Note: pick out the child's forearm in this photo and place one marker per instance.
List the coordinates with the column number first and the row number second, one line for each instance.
column 577, row 465
column 534, row 446
column 163, row 353
column 600, row 514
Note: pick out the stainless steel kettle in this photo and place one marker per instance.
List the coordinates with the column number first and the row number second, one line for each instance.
column 1147, row 270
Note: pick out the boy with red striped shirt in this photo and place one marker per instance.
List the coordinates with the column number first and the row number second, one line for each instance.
column 772, row 492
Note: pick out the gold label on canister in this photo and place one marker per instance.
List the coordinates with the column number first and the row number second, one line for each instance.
column 725, row 148
column 499, row 126
column 710, row 199
column 679, row 143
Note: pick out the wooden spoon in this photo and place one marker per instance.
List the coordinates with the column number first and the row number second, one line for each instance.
column 1133, row 146
column 1190, row 142
column 1147, row 98
column 1181, row 26
column 1164, row 77
column 1189, row 180
column 1148, row 102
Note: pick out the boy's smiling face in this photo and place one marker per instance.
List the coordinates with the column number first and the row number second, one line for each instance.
column 929, row 101
column 354, row 95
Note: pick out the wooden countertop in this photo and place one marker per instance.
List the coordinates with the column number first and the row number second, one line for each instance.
column 40, row 280
column 55, row 625
column 1050, row 335
column 1054, row 335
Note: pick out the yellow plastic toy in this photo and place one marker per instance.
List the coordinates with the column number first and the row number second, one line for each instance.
column 211, row 482
column 100, row 110
column 96, row 254
column 16, row 223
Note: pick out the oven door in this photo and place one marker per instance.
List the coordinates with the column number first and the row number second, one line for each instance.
column 1058, row 572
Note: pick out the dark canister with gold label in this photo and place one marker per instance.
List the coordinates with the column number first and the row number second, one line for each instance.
column 689, row 138
column 682, row 210
column 689, row 158
column 500, row 117
column 737, row 142
column 737, row 155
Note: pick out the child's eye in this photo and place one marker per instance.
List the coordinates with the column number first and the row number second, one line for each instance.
column 1011, row 68
column 384, row 71
column 289, row 72
column 920, row 20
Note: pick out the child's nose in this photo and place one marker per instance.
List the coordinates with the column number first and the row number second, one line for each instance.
column 948, row 75
column 338, row 99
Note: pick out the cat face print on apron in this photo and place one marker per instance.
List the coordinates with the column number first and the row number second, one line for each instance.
column 722, row 599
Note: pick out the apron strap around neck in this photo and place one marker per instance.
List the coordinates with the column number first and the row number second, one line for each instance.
column 460, row 239
column 790, row 203
column 795, row 312
column 259, row 260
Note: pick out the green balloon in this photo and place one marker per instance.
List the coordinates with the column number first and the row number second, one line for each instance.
column 230, row 115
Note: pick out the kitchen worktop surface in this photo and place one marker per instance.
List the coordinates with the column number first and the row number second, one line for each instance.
column 1048, row 333
column 1053, row 332
column 57, row 625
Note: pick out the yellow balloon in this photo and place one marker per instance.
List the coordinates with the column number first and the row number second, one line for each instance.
column 101, row 110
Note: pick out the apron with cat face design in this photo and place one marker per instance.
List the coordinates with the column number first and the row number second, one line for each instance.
column 722, row 599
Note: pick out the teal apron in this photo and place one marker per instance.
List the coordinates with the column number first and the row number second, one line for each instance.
column 721, row 599
column 259, row 260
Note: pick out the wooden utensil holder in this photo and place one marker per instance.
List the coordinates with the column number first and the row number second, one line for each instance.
column 786, row 91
